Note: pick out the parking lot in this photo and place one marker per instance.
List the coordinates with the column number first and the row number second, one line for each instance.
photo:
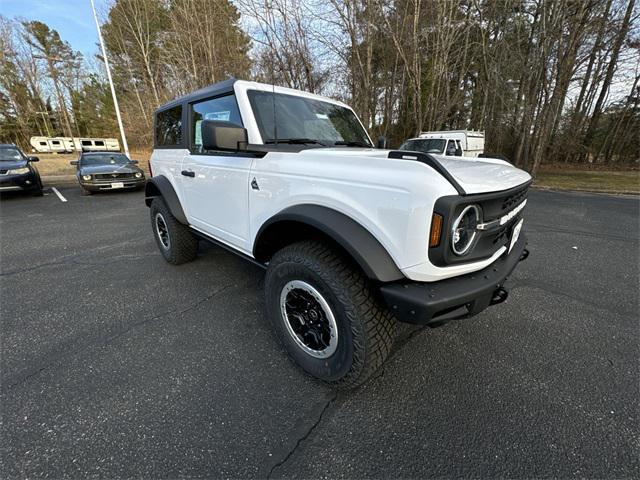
column 116, row 364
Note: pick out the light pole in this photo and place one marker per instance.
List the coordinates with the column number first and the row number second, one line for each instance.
column 113, row 90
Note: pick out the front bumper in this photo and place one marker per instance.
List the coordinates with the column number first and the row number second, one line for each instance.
column 456, row 297
column 25, row 181
column 95, row 186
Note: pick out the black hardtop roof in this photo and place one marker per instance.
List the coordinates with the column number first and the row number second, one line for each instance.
column 206, row 92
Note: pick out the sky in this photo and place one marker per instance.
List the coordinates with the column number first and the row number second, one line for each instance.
column 73, row 19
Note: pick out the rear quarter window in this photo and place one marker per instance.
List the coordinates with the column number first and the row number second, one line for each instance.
column 169, row 127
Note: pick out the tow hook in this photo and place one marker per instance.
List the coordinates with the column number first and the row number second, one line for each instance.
column 525, row 255
column 499, row 296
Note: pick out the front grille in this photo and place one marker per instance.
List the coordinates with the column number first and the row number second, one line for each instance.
column 495, row 206
column 114, row 176
column 514, row 200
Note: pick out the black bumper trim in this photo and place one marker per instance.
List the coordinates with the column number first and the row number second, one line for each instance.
column 420, row 303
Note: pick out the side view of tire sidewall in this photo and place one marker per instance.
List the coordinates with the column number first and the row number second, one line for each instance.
column 183, row 245
column 329, row 369
column 158, row 207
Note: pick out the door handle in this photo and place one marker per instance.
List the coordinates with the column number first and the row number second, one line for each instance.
column 188, row 173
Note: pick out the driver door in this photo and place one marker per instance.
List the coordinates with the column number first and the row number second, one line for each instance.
column 215, row 184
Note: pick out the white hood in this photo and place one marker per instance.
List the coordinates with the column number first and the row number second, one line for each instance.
column 480, row 175
column 475, row 175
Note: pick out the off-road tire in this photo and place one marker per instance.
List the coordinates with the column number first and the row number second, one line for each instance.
column 85, row 193
column 366, row 329
column 183, row 244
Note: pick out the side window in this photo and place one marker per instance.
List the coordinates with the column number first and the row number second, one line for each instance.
column 451, row 148
column 169, row 127
column 99, row 143
column 86, row 143
column 221, row 108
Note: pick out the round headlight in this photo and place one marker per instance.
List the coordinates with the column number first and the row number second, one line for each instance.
column 86, row 177
column 463, row 232
column 138, row 175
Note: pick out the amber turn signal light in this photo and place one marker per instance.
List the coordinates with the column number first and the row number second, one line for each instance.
column 436, row 230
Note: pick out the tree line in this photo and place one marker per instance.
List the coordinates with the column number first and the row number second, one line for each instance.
column 548, row 80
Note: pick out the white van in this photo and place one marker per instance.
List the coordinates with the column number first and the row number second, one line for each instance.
column 459, row 143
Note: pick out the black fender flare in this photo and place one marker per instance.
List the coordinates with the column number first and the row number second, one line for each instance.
column 160, row 186
column 363, row 247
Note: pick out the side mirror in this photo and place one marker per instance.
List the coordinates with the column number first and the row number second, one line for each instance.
column 135, row 161
column 33, row 159
column 221, row 135
column 74, row 162
column 382, row 142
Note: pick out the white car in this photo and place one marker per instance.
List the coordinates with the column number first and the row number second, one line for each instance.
column 352, row 237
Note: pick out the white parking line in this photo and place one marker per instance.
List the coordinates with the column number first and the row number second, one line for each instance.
column 55, row 190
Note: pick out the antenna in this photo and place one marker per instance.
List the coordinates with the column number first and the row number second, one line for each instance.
column 273, row 98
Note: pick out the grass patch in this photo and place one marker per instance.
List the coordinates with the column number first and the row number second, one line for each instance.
column 590, row 180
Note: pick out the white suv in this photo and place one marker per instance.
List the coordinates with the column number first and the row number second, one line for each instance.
column 352, row 237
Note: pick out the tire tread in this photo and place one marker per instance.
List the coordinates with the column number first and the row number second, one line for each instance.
column 372, row 325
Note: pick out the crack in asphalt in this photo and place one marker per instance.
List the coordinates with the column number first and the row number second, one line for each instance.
column 541, row 229
column 305, row 435
column 77, row 259
column 104, row 341
column 73, row 261
column 521, row 283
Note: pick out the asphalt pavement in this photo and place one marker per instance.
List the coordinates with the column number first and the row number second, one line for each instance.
column 115, row 364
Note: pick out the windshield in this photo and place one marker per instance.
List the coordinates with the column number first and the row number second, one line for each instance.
column 10, row 154
column 104, row 159
column 305, row 118
column 425, row 145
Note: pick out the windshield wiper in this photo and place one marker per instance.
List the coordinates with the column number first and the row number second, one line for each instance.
column 348, row 143
column 293, row 140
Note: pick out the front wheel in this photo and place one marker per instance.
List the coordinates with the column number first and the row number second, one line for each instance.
column 38, row 191
column 326, row 315
column 175, row 241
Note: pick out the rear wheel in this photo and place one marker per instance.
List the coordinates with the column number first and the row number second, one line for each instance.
column 175, row 241
column 324, row 312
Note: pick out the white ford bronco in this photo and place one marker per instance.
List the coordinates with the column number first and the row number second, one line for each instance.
column 353, row 238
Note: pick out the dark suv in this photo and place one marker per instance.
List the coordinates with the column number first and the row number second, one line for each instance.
column 17, row 172
column 107, row 171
